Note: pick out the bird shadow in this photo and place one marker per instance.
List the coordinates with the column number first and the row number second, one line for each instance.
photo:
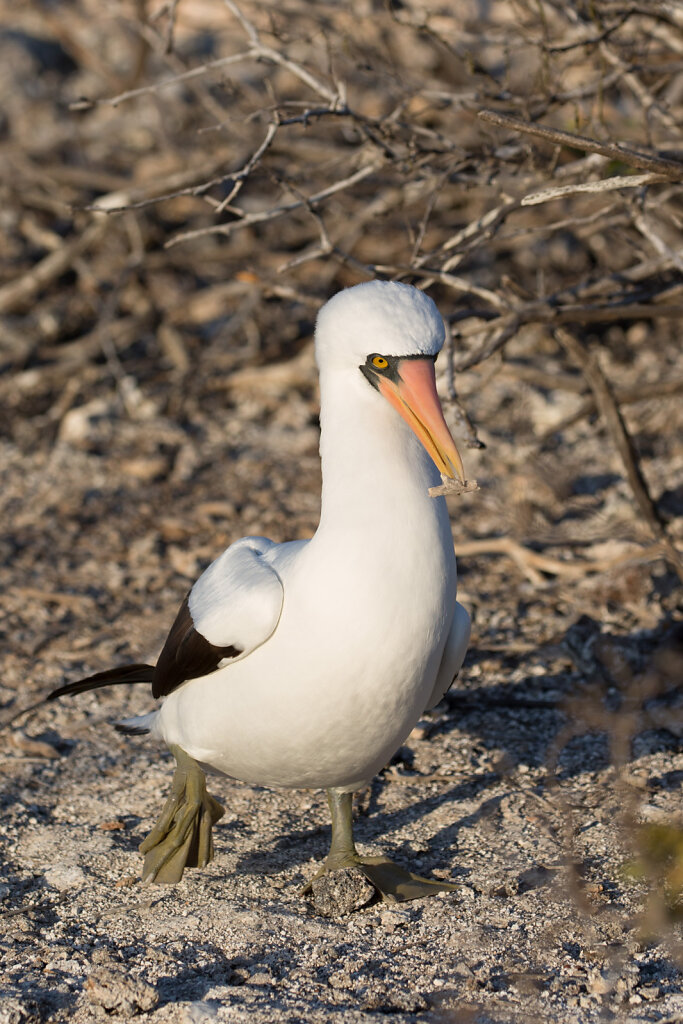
column 298, row 845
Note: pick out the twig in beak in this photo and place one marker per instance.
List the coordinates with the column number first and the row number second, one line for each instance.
column 452, row 486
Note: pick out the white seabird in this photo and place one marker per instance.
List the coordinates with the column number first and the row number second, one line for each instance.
column 307, row 664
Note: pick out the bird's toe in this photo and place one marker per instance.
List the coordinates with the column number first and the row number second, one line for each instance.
column 395, row 884
column 181, row 838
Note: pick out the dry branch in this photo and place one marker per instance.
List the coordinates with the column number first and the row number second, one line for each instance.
column 623, row 396
column 591, row 187
column 17, row 293
column 534, row 565
column 671, row 170
column 263, row 216
column 499, row 331
column 589, row 364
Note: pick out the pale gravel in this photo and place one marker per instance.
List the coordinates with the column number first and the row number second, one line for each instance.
column 97, row 558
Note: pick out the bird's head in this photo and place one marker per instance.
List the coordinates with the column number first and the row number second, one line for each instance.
column 391, row 334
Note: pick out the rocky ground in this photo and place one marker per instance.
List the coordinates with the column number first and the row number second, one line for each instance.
column 532, row 785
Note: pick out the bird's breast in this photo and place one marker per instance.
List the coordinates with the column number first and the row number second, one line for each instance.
column 342, row 680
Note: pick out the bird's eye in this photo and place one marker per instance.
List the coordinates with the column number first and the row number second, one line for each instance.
column 379, row 362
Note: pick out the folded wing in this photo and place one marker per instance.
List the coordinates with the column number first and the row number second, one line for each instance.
column 231, row 610
column 453, row 655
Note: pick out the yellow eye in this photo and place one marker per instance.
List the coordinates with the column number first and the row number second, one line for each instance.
column 380, row 363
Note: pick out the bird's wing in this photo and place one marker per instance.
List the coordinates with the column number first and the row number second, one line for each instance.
column 453, row 654
column 233, row 608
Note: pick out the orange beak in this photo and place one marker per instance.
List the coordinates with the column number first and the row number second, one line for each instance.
column 414, row 397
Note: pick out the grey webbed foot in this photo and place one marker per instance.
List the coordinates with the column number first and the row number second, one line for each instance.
column 181, row 837
column 395, row 884
column 392, row 883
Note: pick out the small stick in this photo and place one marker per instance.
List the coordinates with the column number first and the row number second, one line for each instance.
column 671, row 169
column 532, row 564
column 608, row 408
column 602, row 185
column 450, row 486
column 260, row 216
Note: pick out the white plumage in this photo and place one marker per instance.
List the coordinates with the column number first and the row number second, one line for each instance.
column 237, row 601
column 346, row 632
column 307, row 664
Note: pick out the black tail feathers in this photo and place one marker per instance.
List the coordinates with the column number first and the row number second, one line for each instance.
column 111, row 677
column 131, row 730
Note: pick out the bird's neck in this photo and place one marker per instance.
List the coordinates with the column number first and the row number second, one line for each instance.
column 376, row 474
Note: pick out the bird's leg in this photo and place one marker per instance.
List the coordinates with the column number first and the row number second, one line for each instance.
column 181, row 837
column 393, row 883
column 343, row 853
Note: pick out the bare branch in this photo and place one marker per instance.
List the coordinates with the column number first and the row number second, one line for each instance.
column 670, row 169
column 604, row 185
column 16, row 293
column 259, row 50
column 166, row 83
column 504, row 328
column 623, row 396
column 607, row 405
column 535, row 566
column 647, row 229
column 239, row 177
column 278, row 211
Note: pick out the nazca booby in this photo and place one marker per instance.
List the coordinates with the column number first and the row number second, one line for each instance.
column 308, row 663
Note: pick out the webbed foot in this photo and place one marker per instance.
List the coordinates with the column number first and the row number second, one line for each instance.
column 392, row 883
column 181, row 837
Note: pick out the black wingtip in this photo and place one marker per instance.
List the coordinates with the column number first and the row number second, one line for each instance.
column 110, row 677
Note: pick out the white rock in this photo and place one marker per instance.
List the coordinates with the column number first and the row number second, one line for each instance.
column 196, row 1013
column 65, row 876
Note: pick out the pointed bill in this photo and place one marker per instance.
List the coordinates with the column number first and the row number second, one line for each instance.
column 414, row 397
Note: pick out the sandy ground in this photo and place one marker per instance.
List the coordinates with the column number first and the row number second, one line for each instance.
column 111, row 519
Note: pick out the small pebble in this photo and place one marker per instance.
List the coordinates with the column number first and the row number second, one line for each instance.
column 113, row 988
column 341, row 892
column 65, row 876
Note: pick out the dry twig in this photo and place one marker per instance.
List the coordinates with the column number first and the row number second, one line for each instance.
column 606, row 404
column 669, row 169
column 534, row 565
